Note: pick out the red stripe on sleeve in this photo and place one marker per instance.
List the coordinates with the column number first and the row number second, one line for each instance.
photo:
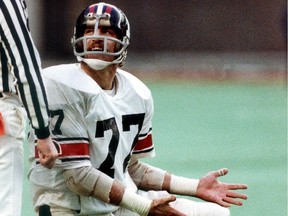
column 144, row 144
column 72, row 149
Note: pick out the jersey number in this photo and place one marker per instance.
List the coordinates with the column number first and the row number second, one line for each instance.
column 101, row 127
column 59, row 120
column 110, row 124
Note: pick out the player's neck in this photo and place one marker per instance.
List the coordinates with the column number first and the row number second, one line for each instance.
column 104, row 78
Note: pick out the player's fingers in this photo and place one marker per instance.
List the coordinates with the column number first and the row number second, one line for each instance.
column 232, row 201
column 168, row 199
column 47, row 161
column 237, row 186
column 221, row 172
column 161, row 208
column 224, row 203
column 237, row 195
column 164, row 200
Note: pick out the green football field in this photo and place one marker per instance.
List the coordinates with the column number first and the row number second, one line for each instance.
column 203, row 126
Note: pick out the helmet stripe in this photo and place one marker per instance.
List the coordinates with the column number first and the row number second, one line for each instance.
column 92, row 9
column 108, row 9
column 100, row 9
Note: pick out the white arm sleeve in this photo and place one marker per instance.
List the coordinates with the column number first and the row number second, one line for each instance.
column 145, row 176
column 151, row 178
column 88, row 181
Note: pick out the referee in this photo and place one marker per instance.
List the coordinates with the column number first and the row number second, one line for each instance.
column 22, row 95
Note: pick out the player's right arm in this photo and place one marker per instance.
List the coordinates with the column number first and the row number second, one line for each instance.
column 88, row 181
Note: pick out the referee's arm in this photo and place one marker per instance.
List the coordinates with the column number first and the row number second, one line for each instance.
column 22, row 55
column 23, row 59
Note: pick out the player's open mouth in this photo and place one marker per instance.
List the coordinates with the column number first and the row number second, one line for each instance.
column 97, row 49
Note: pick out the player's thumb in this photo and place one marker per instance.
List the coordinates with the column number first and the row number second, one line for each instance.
column 168, row 199
column 221, row 172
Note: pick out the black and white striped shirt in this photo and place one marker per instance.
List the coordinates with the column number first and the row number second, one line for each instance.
column 20, row 64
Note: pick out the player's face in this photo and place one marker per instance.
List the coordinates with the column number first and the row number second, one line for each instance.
column 98, row 44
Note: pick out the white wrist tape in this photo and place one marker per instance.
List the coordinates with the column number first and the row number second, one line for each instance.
column 135, row 203
column 183, row 186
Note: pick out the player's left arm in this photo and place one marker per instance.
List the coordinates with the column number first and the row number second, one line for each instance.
column 146, row 177
column 208, row 188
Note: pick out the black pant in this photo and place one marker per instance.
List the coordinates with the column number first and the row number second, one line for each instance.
column 44, row 210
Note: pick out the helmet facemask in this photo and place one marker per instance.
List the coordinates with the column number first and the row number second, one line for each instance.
column 95, row 16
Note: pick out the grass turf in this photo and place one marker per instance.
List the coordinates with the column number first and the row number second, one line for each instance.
column 200, row 127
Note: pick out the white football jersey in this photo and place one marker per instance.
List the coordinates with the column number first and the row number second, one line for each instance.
column 93, row 127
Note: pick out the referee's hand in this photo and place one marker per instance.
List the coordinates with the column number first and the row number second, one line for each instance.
column 47, row 152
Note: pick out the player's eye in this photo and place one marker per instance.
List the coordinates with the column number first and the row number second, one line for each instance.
column 108, row 31
column 89, row 31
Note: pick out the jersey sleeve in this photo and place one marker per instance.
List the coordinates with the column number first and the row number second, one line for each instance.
column 24, row 61
column 67, row 124
column 144, row 146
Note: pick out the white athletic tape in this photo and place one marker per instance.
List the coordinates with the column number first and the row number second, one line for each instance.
column 153, row 178
column 88, row 181
column 79, row 180
column 183, row 186
column 135, row 203
column 221, row 172
column 103, row 187
column 145, row 176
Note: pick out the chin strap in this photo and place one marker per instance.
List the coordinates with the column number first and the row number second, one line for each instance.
column 98, row 64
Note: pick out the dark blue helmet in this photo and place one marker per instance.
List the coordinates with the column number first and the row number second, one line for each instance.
column 102, row 14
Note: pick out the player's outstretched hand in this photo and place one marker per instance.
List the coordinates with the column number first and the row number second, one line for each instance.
column 212, row 190
column 47, row 152
column 161, row 207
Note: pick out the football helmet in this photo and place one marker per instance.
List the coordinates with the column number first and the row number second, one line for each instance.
column 97, row 15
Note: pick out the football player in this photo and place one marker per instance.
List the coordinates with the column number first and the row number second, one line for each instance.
column 102, row 120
